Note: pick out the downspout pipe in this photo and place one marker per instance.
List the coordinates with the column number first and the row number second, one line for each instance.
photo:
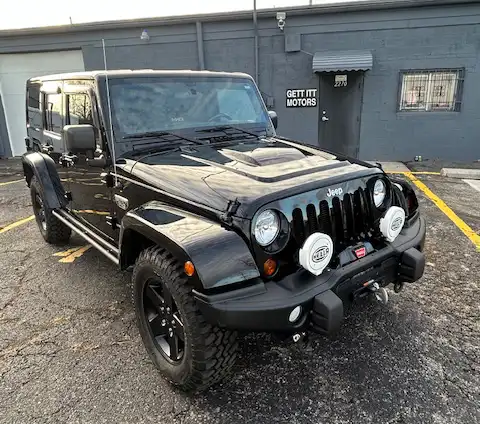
column 255, row 42
column 201, row 52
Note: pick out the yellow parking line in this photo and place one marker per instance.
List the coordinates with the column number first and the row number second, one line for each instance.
column 472, row 235
column 74, row 255
column 67, row 252
column 413, row 173
column 11, row 182
column 16, row 224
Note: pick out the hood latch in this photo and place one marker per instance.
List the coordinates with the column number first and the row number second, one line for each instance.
column 232, row 208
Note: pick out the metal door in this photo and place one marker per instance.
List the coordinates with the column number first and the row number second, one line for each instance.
column 340, row 107
column 91, row 198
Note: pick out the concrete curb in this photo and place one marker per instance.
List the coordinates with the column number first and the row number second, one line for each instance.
column 471, row 174
column 391, row 166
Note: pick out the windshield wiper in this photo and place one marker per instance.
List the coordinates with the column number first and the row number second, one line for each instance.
column 226, row 129
column 153, row 150
column 160, row 135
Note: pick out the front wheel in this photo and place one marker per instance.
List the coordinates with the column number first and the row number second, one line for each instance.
column 188, row 351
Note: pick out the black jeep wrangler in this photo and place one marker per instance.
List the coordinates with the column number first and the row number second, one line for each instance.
column 180, row 177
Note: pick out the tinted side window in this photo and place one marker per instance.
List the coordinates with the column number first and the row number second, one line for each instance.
column 53, row 112
column 79, row 108
column 34, row 117
column 34, row 96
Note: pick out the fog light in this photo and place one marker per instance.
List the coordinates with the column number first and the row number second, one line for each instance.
column 392, row 223
column 295, row 314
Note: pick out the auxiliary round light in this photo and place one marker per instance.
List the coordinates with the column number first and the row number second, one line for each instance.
column 392, row 223
column 295, row 314
column 316, row 253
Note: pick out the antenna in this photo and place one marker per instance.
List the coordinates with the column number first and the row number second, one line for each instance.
column 114, row 159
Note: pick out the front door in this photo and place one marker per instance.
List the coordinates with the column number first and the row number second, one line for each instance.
column 340, row 107
column 91, row 198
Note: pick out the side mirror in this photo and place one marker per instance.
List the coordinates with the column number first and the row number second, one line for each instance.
column 274, row 117
column 79, row 138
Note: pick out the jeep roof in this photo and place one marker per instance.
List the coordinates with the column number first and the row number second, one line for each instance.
column 137, row 73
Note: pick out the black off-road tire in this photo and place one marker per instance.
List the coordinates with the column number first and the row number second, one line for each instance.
column 52, row 230
column 209, row 351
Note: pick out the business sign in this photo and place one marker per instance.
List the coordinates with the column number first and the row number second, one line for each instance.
column 302, row 97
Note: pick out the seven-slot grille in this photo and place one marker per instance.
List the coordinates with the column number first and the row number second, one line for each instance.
column 344, row 219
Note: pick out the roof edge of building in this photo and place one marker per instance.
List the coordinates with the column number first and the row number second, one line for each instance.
column 350, row 6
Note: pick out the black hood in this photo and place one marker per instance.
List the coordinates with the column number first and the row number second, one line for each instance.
column 253, row 173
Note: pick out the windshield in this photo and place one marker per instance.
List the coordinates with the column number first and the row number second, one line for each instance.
column 146, row 104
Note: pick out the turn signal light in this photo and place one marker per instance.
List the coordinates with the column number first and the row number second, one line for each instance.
column 269, row 267
column 189, row 268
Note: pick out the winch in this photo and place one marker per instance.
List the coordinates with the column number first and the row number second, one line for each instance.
column 373, row 287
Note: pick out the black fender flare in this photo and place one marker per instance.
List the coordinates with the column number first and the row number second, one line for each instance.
column 43, row 167
column 220, row 256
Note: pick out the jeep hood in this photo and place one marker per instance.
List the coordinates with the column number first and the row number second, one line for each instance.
column 251, row 173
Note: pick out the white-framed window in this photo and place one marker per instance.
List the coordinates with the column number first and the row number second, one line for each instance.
column 431, row 90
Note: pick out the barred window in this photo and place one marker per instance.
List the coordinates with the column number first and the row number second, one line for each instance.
column 431, row 90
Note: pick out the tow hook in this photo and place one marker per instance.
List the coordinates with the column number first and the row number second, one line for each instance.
column 398, row 287
column 299, row 336
column 380, row 293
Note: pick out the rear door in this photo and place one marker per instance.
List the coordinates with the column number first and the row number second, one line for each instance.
column 34, row 115
column 53, row 116
column 45, row 121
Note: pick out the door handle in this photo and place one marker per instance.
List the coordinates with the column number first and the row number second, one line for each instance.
column 324, row 119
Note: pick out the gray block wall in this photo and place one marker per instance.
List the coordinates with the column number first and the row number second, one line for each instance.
column 443, row 36
column 5, row 150
column 388, row 134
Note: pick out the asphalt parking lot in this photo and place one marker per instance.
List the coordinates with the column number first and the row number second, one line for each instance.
column 70, row 350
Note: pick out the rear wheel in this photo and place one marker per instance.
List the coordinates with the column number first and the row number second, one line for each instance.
column 52, row 230
column 188, row 351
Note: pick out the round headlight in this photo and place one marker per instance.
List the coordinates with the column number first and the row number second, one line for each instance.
column 266, row 227
column 379, row 193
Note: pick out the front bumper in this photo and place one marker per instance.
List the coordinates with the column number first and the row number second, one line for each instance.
column 266, row 306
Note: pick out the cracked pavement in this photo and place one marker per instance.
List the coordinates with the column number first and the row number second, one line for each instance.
column 70, row 350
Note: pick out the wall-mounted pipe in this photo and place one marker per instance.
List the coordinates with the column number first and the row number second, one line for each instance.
column 255, row 42
column 201, row 52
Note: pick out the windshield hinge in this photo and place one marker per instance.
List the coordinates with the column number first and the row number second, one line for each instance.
column 107, row 179
column 232, row 208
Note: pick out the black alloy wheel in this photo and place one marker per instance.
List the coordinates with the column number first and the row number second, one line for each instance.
column 165, row 324
column 39, row 209
column 190, row 352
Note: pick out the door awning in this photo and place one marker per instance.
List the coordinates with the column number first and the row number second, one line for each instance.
column 348, row 60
